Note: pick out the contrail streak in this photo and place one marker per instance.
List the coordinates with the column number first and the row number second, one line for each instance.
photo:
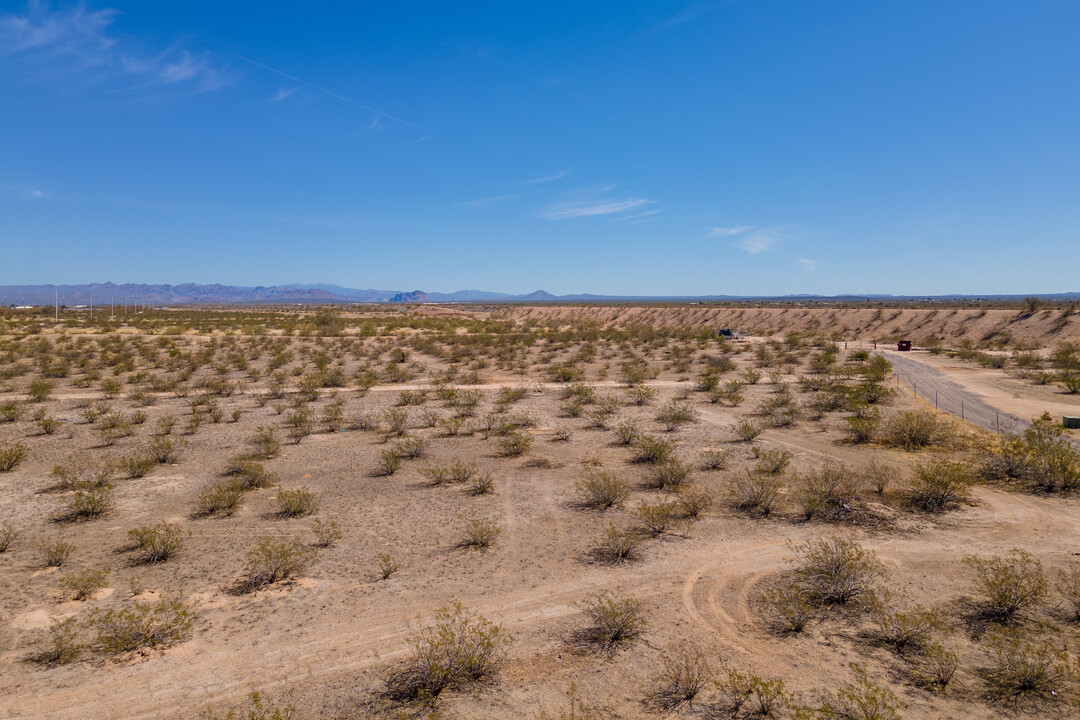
column 323, row 90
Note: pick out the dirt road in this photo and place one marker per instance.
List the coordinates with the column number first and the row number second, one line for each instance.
column 937, row 388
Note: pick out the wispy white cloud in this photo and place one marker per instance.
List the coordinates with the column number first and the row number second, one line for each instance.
column 282, row 94
column 640, row 217
column 810, row 265
column 592, row 202
column 331, row 93
column 75, row 45
column 36, row 194
column 495, row 199
column 729, row 231
column 692, row 11
column 758, row 242
column 558, row 175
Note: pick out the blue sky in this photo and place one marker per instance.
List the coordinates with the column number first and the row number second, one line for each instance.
column 656, row 148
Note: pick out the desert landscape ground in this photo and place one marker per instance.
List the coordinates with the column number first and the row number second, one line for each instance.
column 557, row 511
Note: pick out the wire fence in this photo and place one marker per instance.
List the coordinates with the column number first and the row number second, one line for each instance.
column 950, row 398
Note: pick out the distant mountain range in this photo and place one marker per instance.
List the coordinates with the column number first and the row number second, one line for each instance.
column 102, row 294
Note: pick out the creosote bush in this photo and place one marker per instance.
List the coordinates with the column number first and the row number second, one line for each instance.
column 387, row 565
column 832, row 494
column 459, row 650
column 755, row 493
column 11, row 456
column 55, row 552
column 156, row 543
column 652, row 449
column 939, row 485
column 859, row 700
column 89, row 503
column 220, row 499
column 659, row 518
column 907, row 632
column 1025, row 669
column 388, row 463
column 686, row 673
column 1009, row 587
column 146, row 625
column 670, row 474
column 514, row 444
column 916, row 429
column 836, row 571
column 615, row 621
column 9, row 533
column 296, row 503
column 275, row 560
column 83, row 584
column 601, row 490
column 617, row 546
column 480, row 533
column 326, row 533
column 62, row 645
column 746, row 430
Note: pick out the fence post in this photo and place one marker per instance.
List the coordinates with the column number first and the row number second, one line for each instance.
column 935, row 399
column 961, row 409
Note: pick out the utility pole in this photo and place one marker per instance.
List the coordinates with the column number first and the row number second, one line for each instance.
column 56, row 307
column 91, row 306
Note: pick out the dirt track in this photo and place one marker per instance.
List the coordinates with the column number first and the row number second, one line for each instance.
column 936, row 388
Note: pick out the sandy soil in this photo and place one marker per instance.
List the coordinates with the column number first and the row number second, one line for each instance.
column 324, row 642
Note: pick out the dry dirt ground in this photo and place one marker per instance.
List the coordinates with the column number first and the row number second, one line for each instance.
column 324, row 643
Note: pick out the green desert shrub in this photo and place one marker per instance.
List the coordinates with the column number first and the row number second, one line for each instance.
column 220, row 499
column 652, row 449
column 89, row 503
column 832, row 494
column 387, row 565
column 614, row 620
column 156, row 543
column 326, row 533
column 755, row 493
column 837, row 571
column 480, row 533
column 601, row 490
column 1028, row 668
column 616, row 546
column 158, row 624
column 859, row 700
column 1009, row 587
column 296, row 503
column 670, row 474
column 659, row 518
column 514, row 444
column 82, row 585
column 55, row 552
column 389, row 462
column 916, row 429
column 457, row 471
column 11, row 456
column 939, row 485
column 907, row 632
column 685, row 674
column 458, row 650
column 9, row 533
column 62, row 645
column 746, row 430
column 275, row 560
column 674, row 414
